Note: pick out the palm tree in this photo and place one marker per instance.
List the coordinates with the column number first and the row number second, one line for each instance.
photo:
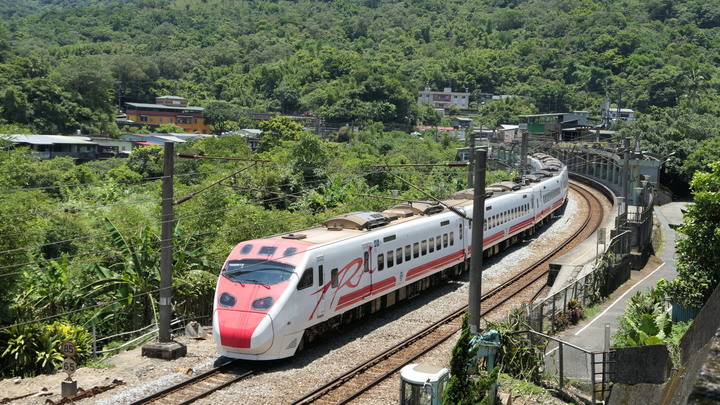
column 694, row 83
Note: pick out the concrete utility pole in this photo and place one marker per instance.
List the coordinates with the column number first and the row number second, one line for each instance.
column 478, row 222
column 166, row 348
column 523, row 151
column 167, row 245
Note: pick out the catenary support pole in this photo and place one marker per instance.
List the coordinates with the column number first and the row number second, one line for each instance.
column 167, row 245
column 471, row 159
column 477, row 241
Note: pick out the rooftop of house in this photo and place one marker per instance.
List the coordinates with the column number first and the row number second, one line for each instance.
column 49, row 139
column 164, row 107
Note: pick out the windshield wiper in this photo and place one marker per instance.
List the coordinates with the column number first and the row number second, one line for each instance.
column 258, row 282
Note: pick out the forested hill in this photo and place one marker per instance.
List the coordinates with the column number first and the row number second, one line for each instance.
column 64, row 69
column 17, row 8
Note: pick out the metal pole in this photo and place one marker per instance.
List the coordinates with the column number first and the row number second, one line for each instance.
column 167, row 247
column 562, row 373
column 626, row 173
column 607, row 336
column 523, row 152
column 477, row 242
column 471, row 159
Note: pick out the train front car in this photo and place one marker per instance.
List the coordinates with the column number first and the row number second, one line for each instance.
column 253, row 287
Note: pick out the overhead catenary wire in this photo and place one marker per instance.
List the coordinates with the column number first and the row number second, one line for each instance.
column 75, row 210
column 109, row 233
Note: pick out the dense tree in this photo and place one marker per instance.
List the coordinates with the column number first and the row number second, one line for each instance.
column 697, row 259
column 352, row 61
column 221, row 115
column 276, row 130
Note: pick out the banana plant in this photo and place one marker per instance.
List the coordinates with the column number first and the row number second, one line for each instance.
column 129, row 285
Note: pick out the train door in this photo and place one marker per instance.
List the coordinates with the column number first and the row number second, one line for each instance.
column 320, row 261
column 367, row 267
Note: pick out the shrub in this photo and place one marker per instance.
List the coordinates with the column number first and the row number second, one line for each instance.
column 35, row 349
column 571, row 316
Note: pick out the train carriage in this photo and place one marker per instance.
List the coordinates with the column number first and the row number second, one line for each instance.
column 276, row 293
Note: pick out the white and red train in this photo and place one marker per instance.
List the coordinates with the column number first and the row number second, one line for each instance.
column 278, row 292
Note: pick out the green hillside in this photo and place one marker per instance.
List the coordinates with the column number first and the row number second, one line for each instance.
column 356, row 60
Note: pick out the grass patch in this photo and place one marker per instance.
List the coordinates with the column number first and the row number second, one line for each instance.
column 518, row 387
column 99, row 364
column 592, row 311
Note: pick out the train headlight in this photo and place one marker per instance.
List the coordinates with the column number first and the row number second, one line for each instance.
column 226, row 300
column 261, row 304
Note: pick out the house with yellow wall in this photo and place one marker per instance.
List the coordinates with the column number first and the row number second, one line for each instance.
column 168, row 110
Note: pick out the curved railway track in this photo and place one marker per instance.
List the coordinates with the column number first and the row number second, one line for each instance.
column 352, row 384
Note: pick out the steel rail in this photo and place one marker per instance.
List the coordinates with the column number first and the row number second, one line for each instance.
column 178, row 389
column 317, row 394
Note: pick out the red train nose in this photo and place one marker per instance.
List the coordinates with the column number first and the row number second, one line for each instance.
column 245, row 330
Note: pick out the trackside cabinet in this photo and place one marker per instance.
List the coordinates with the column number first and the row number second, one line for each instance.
column 422, row 385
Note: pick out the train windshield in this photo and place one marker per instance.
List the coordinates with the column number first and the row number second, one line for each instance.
column 257, row 271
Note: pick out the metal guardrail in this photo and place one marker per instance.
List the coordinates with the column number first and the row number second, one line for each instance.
column 595, row 371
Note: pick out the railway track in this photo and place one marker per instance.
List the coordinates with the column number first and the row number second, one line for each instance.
column 201, row 385
column 354, row 383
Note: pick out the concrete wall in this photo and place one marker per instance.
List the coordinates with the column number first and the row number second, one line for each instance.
column 694, row 349
column 649, row 364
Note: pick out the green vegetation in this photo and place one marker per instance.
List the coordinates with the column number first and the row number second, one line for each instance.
column 468, row 384
column 520, row 355
column 646, row 320
column 69, row 65
column 697, row 260
column 81, row 242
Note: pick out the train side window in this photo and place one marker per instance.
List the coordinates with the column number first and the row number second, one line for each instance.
column 460, row 232
column 423, row 247
column 366, row 261
column 381, row 262
column 408, row 254
column 452, row 238
column 445, row 240
column 334, row 277
column 416, row 250
column 438, row 242
column 390, row 259
column 306, row 280
column 431, row 243
column 321, row 276
column 398, row 255
column 246, row 249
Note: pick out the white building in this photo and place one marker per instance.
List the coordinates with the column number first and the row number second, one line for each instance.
column 625, row 114
column 443, row 99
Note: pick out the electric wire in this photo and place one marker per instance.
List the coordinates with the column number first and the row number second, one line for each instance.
column 110, row 233
column 205, row 195
column 134, row 296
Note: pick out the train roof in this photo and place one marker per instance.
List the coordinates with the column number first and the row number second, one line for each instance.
column 345, row 226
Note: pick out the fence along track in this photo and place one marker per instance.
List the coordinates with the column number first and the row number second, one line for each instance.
column 200, row 385
column 354, row 383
